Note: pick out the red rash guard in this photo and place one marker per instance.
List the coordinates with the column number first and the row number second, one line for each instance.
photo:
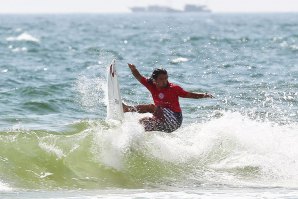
column 166, row 97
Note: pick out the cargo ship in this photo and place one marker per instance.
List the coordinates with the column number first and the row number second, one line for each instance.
column 158, row 9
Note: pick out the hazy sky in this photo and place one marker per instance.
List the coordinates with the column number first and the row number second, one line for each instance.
column 107, row 6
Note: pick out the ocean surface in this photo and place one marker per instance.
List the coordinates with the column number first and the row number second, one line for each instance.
column 55, row 141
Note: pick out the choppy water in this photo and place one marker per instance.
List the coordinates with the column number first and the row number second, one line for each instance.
column 53, row 133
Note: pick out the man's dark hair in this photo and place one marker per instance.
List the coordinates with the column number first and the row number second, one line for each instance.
column 156, row 73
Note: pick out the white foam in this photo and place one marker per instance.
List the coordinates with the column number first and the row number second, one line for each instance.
column 294, row 47
column 52, row 148
column 22, row 49
column 285, row 44
column 4, row 187
column 114, row 143
column 235, row 142
column 46, row 174
column 223, row 146
column 179, row 60
column 23, row 37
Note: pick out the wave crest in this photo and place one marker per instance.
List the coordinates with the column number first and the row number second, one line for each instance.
column 232, row 149
column 23, row 37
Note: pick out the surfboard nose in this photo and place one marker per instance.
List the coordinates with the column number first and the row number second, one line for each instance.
column 114, row 108
column 112, row 71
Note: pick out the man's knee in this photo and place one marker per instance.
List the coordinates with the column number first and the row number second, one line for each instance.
column 148, row 123
column 152, row 107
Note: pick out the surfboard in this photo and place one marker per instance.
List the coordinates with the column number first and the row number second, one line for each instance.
column 114, row 108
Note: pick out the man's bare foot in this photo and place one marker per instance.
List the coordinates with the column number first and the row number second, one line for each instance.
column 127, row 108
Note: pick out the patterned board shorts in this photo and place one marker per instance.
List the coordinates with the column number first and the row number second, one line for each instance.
column 164, row 120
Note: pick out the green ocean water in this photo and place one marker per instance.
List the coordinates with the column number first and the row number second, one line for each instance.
column 56, row 143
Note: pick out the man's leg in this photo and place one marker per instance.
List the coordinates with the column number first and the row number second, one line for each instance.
column 145, row 108
column 149, row 123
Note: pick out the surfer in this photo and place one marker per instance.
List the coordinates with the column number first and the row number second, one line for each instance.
column 167, row 114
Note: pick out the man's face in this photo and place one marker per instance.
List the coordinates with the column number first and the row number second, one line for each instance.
column 161, row 81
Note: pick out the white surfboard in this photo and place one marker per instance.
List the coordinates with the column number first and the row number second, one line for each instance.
column 115, row 108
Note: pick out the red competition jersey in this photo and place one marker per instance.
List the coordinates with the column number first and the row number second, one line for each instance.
column 166, row 97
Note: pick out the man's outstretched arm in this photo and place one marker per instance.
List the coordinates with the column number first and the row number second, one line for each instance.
column 135, row 72
column 198, row 95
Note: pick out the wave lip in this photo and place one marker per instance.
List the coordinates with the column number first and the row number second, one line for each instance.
column 23, row 37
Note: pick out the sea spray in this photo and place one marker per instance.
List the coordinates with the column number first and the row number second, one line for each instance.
column 91, row 91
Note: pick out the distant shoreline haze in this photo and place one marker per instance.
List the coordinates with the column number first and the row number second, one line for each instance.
column 115, row 6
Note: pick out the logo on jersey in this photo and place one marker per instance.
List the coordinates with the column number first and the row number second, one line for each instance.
column 161, row 95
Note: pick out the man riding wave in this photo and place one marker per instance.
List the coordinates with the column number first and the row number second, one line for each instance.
column 167, row 114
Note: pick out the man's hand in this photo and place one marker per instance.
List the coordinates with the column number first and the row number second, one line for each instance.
column 135, row 72
column 131, row 66
column 206, row 95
